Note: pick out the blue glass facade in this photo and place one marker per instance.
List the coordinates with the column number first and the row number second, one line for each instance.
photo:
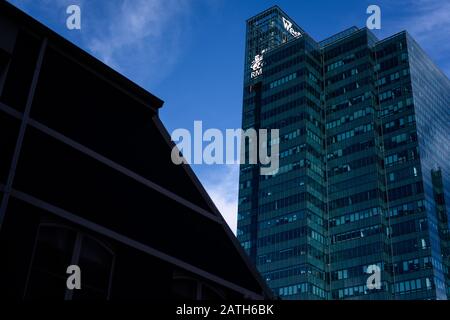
column 431, row 96
column 362, row 178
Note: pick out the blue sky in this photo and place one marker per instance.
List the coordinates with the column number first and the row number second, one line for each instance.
column 190, row 53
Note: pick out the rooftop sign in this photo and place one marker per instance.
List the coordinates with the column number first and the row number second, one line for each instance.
column 288, row 26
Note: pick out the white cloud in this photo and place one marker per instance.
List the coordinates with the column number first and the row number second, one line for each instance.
column 140, row 38
column 222, row 186
column 428, row 21
column 429, row 14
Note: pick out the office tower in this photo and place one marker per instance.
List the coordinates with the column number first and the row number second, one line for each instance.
column 86, row 179
column 363, row 180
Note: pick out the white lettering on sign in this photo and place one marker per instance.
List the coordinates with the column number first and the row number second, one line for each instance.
column 288, row 26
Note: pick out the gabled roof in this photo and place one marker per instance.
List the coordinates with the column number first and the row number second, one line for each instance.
column 216, row 250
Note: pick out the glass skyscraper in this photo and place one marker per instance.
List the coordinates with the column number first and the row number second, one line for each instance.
column 364, row 177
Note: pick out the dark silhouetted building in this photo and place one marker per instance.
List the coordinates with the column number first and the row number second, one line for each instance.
column 86, row 179
column 364, row 171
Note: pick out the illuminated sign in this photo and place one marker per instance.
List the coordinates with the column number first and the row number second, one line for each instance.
column 288, row 26
column 256, row 66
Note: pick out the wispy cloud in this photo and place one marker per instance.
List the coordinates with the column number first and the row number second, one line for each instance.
column 222, row 184
column 141, row 38
column 428, row 21
column 428, row 15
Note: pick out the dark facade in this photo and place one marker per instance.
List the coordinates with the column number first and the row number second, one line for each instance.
column 364, row 175
column 86, row 179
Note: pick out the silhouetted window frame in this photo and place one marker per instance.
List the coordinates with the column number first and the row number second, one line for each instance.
column 75, row 256
column 5, row 61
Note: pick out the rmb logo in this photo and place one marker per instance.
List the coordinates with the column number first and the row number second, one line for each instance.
column 257, row 65
column 288, row 26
